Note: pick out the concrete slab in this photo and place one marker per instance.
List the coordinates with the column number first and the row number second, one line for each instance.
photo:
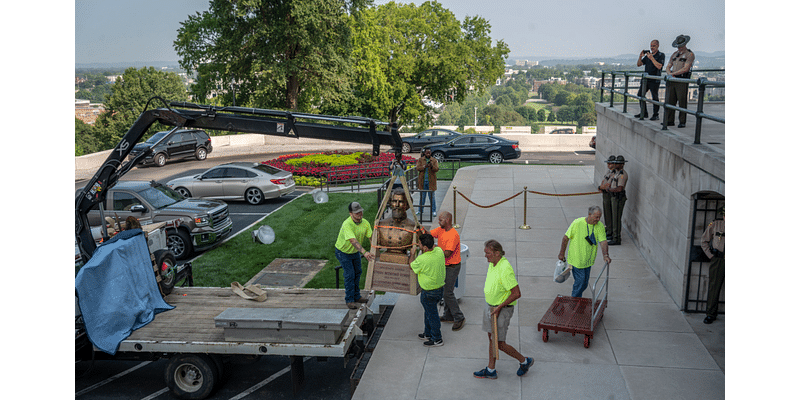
column 650, row 383
column 659, row 317
column 660, row 349
column 559, row 380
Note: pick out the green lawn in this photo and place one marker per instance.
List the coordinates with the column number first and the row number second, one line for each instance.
column 303, row 229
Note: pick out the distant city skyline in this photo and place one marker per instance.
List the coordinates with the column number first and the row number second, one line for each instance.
column 543, row 29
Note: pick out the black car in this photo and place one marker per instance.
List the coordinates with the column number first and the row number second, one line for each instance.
column 177, row 145
column 426, row 137
column 495, row 149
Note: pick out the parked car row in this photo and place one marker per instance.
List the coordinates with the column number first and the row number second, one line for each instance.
column 494, row 149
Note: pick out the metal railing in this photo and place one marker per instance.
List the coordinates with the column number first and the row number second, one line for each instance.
column 700, row 83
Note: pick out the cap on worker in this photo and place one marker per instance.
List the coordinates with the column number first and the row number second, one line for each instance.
column 355, row 208
column 681, row 41
column 620, row 160
column 611, row 159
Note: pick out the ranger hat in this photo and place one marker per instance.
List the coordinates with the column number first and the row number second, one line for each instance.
column 681, row 41
column 620, row 160
column 611, row 159
column 355, row 207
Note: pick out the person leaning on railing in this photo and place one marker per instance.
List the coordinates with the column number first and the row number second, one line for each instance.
column 679, row 66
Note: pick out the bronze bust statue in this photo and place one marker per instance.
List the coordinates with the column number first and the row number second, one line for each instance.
column 396, row 233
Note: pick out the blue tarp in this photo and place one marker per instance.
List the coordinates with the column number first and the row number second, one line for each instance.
column 117, row 290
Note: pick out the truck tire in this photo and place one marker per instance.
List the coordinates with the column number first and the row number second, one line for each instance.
column 168, row 274
column 191, row 376
column 179, row 243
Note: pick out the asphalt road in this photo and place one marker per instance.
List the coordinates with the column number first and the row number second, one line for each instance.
column 269, row 377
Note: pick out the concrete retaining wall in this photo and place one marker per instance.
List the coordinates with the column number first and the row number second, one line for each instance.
column 666, row 171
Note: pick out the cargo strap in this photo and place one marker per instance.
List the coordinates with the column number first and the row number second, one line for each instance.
column 249, row 292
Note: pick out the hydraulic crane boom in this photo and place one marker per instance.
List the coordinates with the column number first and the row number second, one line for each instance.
column 239, row 119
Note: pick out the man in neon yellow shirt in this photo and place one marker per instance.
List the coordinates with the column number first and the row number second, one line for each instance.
column 501, row 291
column 429, row 267
column 583, row 235
column 353, row 232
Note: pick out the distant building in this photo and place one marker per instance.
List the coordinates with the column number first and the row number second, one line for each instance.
column 87, row 111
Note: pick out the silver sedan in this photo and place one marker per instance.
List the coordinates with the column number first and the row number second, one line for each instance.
column 249, row 181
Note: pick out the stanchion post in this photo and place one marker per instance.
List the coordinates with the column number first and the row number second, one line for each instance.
column 455, row 224
column 525, row 211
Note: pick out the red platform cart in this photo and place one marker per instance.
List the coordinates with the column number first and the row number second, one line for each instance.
column 577, row 315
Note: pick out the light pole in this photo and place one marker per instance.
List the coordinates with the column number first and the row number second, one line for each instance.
column 476, row 116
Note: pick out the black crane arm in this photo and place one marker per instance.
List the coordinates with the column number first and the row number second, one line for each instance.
column 238, row 119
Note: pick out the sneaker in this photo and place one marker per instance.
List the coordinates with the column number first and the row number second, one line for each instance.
column 485, row 374
column 423, row 336
column 459, row 324
column 434, row 213
column 443, row 319
column 432, row 343
column 523, row 368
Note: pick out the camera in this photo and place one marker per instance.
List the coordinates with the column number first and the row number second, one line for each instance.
column 592, row 241
column 645, row 51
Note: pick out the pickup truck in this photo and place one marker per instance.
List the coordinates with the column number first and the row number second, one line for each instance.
column 203, row 223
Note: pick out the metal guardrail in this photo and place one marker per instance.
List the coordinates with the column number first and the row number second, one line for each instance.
column 701, row 83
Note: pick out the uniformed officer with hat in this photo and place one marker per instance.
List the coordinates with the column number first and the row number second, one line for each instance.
column 604, row 185
column 618, row 198
column 713, row 244
column 679, row 66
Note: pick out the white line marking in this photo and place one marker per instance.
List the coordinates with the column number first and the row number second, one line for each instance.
column 265, row 382
column 119, row 375
column 156, row 394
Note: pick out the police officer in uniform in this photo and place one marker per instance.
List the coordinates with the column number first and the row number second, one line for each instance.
column 604, row 185
column 679, row 66
column 713, row 244
column 617, row 189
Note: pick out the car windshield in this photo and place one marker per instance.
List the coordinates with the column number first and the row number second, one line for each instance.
column 160, row 196
column 268, row 169
column 156, row 137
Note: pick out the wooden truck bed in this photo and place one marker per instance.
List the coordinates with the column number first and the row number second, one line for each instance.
column 190, row 327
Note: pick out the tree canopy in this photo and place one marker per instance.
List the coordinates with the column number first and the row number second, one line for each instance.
column 405, row 52
column 128, row 98
column 288, row 54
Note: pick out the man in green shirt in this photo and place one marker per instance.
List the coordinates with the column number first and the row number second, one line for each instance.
column 429, row 267
column 349, row 249
column 583, row 236
column 501, row 291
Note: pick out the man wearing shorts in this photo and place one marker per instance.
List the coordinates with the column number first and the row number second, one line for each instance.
column 501, row 291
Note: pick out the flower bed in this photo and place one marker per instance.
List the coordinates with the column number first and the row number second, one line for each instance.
column 314, row 169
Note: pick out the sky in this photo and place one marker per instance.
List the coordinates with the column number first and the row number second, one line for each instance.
column 119, row 31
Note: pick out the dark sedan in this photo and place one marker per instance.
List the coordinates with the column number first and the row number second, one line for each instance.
column 426, row 137
column 495, row 149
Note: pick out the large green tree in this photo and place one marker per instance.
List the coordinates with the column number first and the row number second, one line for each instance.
column 288, row 54
column 128, row 98
column 404, row 52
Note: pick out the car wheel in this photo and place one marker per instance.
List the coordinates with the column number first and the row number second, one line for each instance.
column 160, row 159
column 254, row 196
column 200, row 154
column 495, row 157
column 439, row 156
column 184, row 192
column 180, row 244
column 406, row 147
